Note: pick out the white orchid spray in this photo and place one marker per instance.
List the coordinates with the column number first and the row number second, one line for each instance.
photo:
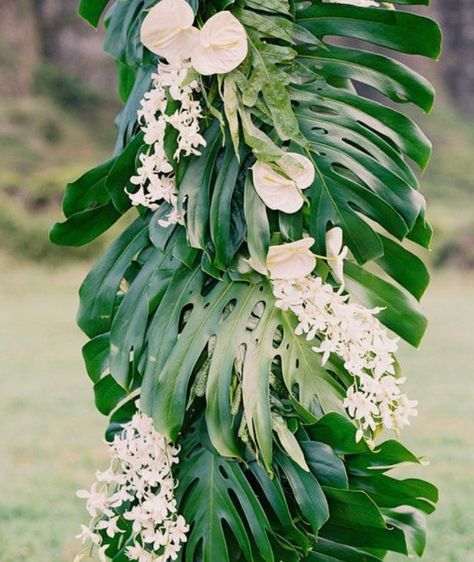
column 155, row 176
column 137, row 491
column 350, row 331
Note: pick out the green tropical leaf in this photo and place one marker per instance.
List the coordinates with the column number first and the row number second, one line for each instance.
column 307, row 491
column 401, row 312
column 356, row 520
column 215, row 498
column 91, row 10
column 118, row 178
column 258, row 228
column 397, row 30
column 413, row 525
column 128, row 329
column 85, row 226
column 99, row 291
column 96, row 356
column 236, row 328
column 195, row 187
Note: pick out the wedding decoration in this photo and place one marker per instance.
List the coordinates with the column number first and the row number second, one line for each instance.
column 243, row 327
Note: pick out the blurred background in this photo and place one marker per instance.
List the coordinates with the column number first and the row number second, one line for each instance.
column 57, row 103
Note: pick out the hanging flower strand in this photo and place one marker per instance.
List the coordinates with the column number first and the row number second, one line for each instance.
column 137, row 489
column 345, row 329
column 155, row 176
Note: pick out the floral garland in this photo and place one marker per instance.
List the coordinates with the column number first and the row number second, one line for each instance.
column 133, row 501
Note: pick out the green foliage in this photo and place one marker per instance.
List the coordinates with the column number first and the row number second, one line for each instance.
column 214, row 491
column 91, row 10
column 354, row 508
column 38, row 472
column 271, row 469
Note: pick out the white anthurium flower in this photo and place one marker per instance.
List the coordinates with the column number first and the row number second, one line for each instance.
column 168, row 30
column 282, row 192
column 336, row 252
column 294, row 260
column 222, row 45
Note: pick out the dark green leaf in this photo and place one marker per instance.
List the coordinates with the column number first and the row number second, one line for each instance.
column 212, row 492
column 85, row 226
column 401, row 312
column 397, row 30
column 96, row 356
column 194, row 189
column 108, row 394
column 99, row 290
column 91, row 10
column 307, row 492
column 404, row 267
column 118, row 178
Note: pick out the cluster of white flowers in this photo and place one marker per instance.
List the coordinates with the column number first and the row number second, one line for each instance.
column 155, row 177
column 137, row 488
column 352, row 332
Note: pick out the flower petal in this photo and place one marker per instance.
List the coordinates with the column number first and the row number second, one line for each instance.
column 222, row 45
column 333, row 242
column 302, row 173
column 167, row 30
column 291, row 261
column 336, row 253
column 276, row 191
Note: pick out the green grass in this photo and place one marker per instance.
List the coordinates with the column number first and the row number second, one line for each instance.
column 50, row 440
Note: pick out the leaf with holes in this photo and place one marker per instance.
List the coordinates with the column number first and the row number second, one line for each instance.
column 229, row 333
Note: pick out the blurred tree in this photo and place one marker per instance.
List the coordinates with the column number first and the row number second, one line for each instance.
column 457, row 68
column 18, row 58
column 55, row 35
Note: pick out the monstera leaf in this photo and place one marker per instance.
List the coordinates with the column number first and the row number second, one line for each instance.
column 211, row 334
column 151, row 313
column 360, row 145
column 321, row 515
column 216, row 498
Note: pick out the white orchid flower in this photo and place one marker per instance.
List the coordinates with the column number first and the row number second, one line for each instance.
column 168, row 30
column 222, row 45
column 283, row 192
column 336, row 252
column 291, row 261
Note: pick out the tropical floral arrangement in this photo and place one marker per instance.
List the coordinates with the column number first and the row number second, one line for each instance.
column 243, row 328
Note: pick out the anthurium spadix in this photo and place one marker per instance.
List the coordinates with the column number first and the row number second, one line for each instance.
column 281, row 191
column 168, row 30
column 336, row 253
column 294, row 260
column 222, row 45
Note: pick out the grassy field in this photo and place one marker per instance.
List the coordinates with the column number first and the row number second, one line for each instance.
column 50, row 440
